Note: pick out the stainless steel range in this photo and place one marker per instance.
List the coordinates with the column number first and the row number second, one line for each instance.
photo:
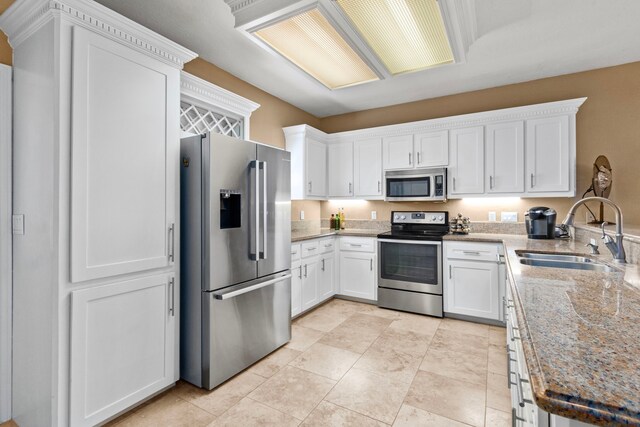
column 410, row 268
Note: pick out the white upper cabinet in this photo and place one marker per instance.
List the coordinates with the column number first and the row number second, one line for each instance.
column 527, row 151
column 308, row 150
column 398, row 152
column 341, row 170
column 432, row 149
column 367, row 168
column 123, row 169
column 466, row 165
column 549, row 155
column 505, row 158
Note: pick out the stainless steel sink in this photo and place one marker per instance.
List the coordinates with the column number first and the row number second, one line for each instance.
column 589, row 265
column 556, row 257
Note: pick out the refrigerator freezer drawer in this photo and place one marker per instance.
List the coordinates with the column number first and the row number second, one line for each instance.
column 242, row 324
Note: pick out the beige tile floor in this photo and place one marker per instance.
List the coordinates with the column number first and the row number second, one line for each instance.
column 352, row 364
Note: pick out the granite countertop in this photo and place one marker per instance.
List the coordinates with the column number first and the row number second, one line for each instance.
column 298, row 236
column 580, row 332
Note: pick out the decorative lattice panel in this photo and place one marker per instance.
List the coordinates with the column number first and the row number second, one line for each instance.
column 194, row 119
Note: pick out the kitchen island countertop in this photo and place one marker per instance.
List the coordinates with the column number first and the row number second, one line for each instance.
column 580, row 331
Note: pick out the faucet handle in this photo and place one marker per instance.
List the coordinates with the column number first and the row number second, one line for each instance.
column 602, row 226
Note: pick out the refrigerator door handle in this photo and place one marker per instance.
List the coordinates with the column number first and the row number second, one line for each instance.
column 231, row 294
column 263, row 252
column 254, row 217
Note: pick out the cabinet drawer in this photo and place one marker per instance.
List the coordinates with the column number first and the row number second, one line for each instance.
column 310, row 248
column 357, row 244
column 473, row 251
column 327, row 245
column 295, row 251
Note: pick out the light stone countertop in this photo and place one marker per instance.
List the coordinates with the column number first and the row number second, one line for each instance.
column 298, row 236
column 580, row 332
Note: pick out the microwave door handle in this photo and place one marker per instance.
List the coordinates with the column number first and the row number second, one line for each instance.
column 254, row 217
column 263, row 252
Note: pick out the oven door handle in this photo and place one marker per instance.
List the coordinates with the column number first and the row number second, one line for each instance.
column 411, row 242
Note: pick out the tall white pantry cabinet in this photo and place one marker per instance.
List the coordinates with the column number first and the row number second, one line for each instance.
column 96, row 169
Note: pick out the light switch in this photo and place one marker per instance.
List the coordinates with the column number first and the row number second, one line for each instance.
column 492, row 216
column 509, row 216
column 301, row 214
column 18, row 224
column 374, row 215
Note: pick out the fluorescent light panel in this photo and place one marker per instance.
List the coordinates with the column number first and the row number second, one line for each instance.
column 407, row 35
column 310, row 41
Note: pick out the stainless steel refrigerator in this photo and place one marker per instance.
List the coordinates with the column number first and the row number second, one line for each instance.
column 236, row 255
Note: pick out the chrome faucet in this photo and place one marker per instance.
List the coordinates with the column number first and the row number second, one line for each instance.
column 615, row 247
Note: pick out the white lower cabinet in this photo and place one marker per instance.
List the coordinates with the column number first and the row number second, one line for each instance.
column 123, row 345
column 358, row 268
column 326, row 276
column 474, row 280
column 312, row 273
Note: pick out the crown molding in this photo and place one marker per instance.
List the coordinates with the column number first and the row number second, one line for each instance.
column 25, row 17
column 570, row 106
column 207, row 94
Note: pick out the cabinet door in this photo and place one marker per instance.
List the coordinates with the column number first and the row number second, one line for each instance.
column 341, row 170
column 548, row 154
column 316, row 167
column 309, row 283
column 397, row 152
column 473, row 289
column 432, row 149
column 124, row 161
column 326, row 277
column 505, row 158
column 123, row 341
column 466, row 166
column 367, row 167
column 358, row 275
column 296, row 288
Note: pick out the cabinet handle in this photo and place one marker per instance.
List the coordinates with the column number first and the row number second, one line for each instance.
column 172, row 297
column 454, row 183
column 521, row 399
column 490, row 182
column 515, row 418
column 328, row 245
column 418, row 157
column 300, row 275
column 371, row 264
column 531, row 180
column 409, row 158
column 378, row 186
column 171, row 242
column 349, row 188
column 477, row 253
column 309, row 186
column 323, row 265
column 311, row 249
column 450, row 272
column 305, row 270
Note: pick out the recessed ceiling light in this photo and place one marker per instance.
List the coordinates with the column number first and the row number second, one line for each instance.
column 313, row 44
column 407, row 35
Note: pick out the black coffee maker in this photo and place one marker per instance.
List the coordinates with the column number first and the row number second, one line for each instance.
column 541, row 222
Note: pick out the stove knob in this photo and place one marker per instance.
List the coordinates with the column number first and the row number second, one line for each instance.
column 396, row 217
column 433, row 218
column 441, row 218
column 403, row 217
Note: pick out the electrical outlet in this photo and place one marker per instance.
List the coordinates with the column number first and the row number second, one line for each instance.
column 374, row 215
column 301, row 214
column 18, row 224
column 509, row 216
column 492, row 216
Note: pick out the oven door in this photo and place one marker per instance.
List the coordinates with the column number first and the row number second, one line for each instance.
column 411, row 265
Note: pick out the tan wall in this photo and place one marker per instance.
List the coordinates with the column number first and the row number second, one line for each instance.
column 5, row 50
column 608, row 123
column 268, row 120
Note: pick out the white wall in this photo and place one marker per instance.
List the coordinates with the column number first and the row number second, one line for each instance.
column 5, row 243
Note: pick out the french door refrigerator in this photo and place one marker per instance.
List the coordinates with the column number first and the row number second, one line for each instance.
column 236, row 255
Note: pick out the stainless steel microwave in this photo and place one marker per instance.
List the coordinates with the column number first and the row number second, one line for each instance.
column 416, row 185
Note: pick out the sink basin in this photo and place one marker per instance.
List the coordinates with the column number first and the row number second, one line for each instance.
column 556, row 257
column 590, row 265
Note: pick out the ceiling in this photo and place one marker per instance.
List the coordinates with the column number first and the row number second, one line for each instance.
column 517, row 40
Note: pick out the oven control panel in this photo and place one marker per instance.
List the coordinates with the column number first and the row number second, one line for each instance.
column 402, row 217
